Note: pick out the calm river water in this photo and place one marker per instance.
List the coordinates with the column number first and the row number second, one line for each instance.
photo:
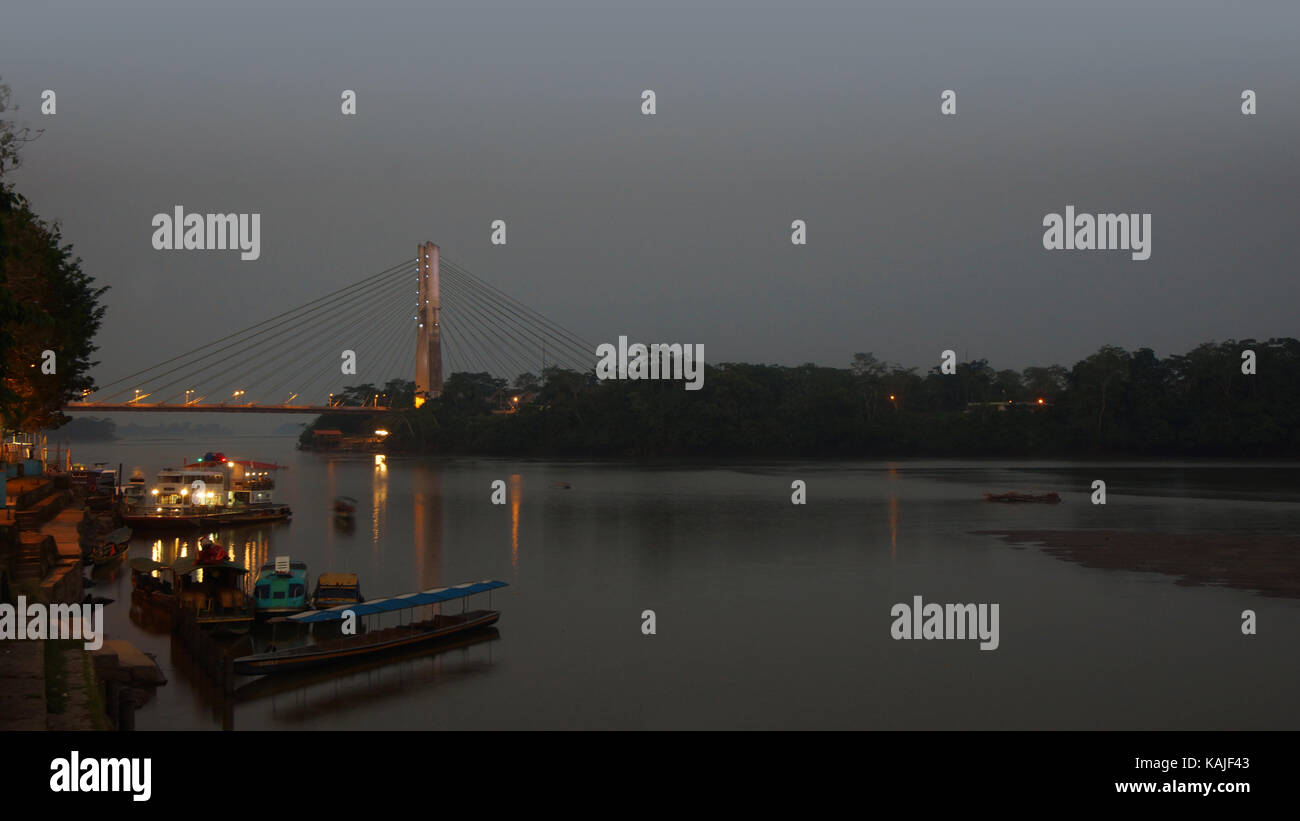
column 769, row 614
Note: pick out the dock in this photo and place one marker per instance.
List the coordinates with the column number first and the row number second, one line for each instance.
column 42, row 528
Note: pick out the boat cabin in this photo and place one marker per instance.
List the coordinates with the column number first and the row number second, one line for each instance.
column 334, row 589
column 281, row 588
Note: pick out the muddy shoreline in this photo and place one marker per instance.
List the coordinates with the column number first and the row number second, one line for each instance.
column 1268, row 565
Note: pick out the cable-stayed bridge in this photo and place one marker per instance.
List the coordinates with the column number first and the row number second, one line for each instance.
column 301, row 360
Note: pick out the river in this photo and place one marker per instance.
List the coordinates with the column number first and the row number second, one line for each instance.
column 767, row 614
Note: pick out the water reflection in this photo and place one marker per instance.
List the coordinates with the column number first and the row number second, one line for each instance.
column 426, row 513
column 893, row 528
column 304, row 698
column 379, row 500
column 892, row 474
column 516, row 496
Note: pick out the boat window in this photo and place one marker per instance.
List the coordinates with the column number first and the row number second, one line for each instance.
column 279, row 594
column 263, row 590
column 296, row 590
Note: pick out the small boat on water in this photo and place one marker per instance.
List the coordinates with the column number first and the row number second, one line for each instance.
column 110, row 548
column 153, row 584
column 1014, row 496
column 345, row 511
column 345, row 506
column 280, row 588
column 436, row 627
column 334, row 589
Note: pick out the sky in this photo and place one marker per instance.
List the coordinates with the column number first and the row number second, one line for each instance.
column 924, row 231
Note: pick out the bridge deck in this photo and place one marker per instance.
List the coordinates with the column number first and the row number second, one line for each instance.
column 106, row 407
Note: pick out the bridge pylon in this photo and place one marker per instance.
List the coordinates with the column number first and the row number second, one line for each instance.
column 428, row 341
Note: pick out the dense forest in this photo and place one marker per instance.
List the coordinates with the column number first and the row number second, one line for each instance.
column 1112, row 403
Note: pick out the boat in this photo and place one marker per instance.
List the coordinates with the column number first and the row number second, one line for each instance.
column 110, row 548
column 96, row 480
column 281, row 588
column 1014, row 496
column 208, row 584
column 334, row 589
column 436, row 627
column 152, row 584
column 345, row 506
column 345, row 510
column 212, row 492
column 135, row 491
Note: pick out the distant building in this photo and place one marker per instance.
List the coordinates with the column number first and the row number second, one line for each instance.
column 327, row 438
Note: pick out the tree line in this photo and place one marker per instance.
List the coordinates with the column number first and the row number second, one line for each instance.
column 1114, row 402
column 49, row 308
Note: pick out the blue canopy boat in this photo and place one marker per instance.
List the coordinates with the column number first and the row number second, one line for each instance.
column 436, row 627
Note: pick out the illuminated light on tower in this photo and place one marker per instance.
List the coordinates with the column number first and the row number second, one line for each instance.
column 428, row 339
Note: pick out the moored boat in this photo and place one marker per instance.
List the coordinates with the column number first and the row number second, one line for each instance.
column 436, row 627
column 208, row 584
column 334, row 589
column 153, row 584
column 110, row 548
column 281, row 588
column 208, row 493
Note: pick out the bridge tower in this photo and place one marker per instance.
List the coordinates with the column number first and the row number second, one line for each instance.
column 428, row 340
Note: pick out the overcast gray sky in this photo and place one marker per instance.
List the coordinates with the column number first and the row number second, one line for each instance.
column 924, row 231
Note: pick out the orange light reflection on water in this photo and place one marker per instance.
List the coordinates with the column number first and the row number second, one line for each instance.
column 516, row 496
column 379, row 498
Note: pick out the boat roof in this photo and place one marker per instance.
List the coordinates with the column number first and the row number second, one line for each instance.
column 117, row 536
column 337, row 580
column 293, row 565
column 190, row 563
column 402, row 602
column 142, row 565
column 247, row 463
